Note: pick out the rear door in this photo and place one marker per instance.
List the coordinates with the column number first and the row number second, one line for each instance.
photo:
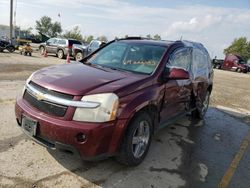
column 201, row 75
column 177, row 92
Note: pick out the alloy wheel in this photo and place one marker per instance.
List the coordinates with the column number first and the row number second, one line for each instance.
column 140, row 139
column 60, row 54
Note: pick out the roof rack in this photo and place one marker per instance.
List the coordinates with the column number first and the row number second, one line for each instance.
column 133, row 38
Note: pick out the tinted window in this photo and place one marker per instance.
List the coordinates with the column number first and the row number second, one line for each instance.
column 139, row 58
column 51, row 41
column 181, row 58
column 71, row 42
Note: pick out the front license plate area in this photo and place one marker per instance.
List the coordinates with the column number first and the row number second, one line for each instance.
column 29, row 125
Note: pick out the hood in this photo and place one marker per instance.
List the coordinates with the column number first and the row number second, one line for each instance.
column 80, row 79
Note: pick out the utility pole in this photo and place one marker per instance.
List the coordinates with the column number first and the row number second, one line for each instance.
column 11, row 19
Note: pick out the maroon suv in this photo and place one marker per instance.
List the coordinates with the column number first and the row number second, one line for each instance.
column 117, row 98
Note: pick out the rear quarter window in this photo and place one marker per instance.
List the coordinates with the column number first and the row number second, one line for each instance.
column 201, row 63
column 71, row 42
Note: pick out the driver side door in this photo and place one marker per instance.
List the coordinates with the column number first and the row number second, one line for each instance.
column 177, row 92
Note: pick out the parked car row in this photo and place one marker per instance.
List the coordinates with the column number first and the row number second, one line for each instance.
column 62, row 47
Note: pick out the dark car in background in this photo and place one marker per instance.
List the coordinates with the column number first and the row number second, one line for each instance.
column 6, row 45
column 117, row 98
column 59, row 46
column 80, row 51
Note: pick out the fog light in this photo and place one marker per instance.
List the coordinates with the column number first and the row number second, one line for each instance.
column 80, row 137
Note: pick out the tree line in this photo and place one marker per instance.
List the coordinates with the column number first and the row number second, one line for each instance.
column 46, row 26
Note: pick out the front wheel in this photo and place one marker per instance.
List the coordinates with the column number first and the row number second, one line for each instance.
column 11, row 49
column 136, row 141
column 79, row 56
column 218, row 66
column 60, row 54
column 200, row 113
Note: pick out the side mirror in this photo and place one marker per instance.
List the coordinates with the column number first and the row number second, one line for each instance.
column 176, row 74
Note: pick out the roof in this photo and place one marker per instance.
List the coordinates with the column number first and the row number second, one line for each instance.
column 141, row 40
column 165, row 43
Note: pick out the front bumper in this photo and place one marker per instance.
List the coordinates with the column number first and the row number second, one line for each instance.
column 102, row 139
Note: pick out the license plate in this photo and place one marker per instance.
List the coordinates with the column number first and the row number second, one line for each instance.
column 29, row 125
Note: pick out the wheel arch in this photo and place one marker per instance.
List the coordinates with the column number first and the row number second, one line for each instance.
column 150, row 109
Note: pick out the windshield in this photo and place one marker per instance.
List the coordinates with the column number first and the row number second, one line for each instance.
column 132, row 57
column 242, row 62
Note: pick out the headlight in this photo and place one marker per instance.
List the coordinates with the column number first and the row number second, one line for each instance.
column 27, row 81
column 106, row 111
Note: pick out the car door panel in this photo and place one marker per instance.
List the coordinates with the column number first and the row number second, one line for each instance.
column 177, row 92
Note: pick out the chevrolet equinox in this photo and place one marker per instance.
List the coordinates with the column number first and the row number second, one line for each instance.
column 115, row 99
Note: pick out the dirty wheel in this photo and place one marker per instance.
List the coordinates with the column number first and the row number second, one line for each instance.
column 200, row 113
column 218, row 66
column 238, row 70
column 79, row 56
column 60, row 54
column 136, row 140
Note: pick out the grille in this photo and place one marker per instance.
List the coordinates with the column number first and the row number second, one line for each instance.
column 45, row 106
column 54, row 93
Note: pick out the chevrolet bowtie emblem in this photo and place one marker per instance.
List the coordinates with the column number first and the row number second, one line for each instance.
column 39, row 96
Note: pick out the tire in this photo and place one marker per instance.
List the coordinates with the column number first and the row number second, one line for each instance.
column 60, row 54
column 139, row 131
column 41, row 49
column 199, row 114
column 11, row 49
column 30, row 54
column 238, row 70
column 79, row 56
column 218, row 66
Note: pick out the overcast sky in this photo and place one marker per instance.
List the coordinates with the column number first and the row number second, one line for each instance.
column 214, row 23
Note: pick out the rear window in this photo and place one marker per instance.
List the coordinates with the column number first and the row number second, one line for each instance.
column 201, row 63
column 71, row 42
